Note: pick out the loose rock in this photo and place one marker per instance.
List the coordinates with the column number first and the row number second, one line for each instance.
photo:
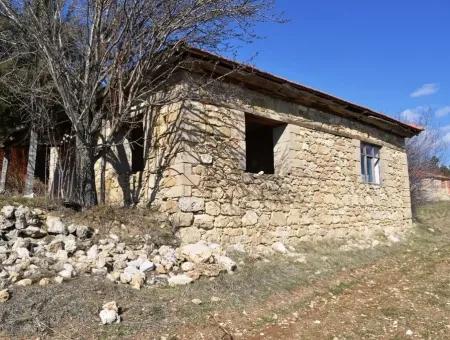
column 55, row 225
column 196, row 301
column 197, row 252
column 4, row 294
column 279, row 248
column 109, row 313
column 179, row 280
column 24, row 282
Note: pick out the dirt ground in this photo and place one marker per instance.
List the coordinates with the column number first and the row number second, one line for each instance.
column 398, row 292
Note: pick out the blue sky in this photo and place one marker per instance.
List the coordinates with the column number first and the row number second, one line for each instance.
column 392, row 56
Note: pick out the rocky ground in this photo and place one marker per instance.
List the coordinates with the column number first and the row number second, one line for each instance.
column 401, row 291
column 36, row 247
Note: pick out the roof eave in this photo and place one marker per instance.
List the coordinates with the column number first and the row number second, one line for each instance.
column 298, row 92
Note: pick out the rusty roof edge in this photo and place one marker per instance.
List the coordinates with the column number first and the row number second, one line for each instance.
column 367, row 111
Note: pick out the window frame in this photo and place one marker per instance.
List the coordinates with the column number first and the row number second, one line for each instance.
column 273, row 136
column 370, row 163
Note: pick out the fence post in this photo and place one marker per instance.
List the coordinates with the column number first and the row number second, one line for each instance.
column 28, row 190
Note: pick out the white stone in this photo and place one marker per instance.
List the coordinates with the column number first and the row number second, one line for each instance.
column 181, row 279
column 71, row 228
column 146, row 266
column 196, row 301
column 22, row 253
column 55, row 225
column 226, row 263
column 8, row 211
column 250, row 218
column 206, row 159
column 44, row 282
column 99, row 271
column 114, row 276
column 279, row 248
column 61, row 255
column 187, row 266
column 67, row 272
column 4, row 295
column 204, row 221
column 137, row 280
column 83, row 231
column 181, row 219
column 92, row 253
column 394, row 238
column 212, row 208
column 131, row 270
column 189, row 235
column 197, row 252
column 24, row 282
column 191, row 204
column 70, row 244
column 136, row 263
column 58, row 279
column 109, row 313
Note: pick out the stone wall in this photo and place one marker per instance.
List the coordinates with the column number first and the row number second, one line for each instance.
column 316, row 192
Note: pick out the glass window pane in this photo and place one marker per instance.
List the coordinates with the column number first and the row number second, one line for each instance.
column 369, row 169
column 363, row 167
column 377, row 171
column 376, row 151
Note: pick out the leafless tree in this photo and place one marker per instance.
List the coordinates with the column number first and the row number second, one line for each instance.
column 108, row 57
column 422, row 150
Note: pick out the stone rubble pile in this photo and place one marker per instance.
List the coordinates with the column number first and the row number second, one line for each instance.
column 40, row 248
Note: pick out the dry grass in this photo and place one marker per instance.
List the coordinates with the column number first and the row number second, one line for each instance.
column 130, row 224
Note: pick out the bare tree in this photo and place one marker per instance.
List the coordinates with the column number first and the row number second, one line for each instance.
column 422, row 151
column 108, row 57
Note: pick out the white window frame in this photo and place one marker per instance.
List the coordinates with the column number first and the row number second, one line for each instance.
column 370, row 163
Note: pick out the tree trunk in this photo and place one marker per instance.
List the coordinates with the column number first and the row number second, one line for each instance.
column 4, row 172
column 85, row 160
column 31, row 165
column 103, row 181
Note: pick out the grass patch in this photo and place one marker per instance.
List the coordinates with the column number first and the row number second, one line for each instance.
column 341, row 288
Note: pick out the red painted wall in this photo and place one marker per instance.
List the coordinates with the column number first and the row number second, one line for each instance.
column 17, row 167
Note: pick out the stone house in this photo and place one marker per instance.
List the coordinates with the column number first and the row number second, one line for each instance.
column 434, row 187
column 256, row 159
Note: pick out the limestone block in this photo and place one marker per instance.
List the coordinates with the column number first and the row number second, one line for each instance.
column 169, row 206
column 189, row 235
column 250, row 218
column 206, row 159
column 294, row 217
column 204, row 221
column 178, row 191
column 212, row 208
column 181, row 219
column 230, row 210
column 221, row 221
column 187, row 180
column 278, row 219
column 191, row 204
